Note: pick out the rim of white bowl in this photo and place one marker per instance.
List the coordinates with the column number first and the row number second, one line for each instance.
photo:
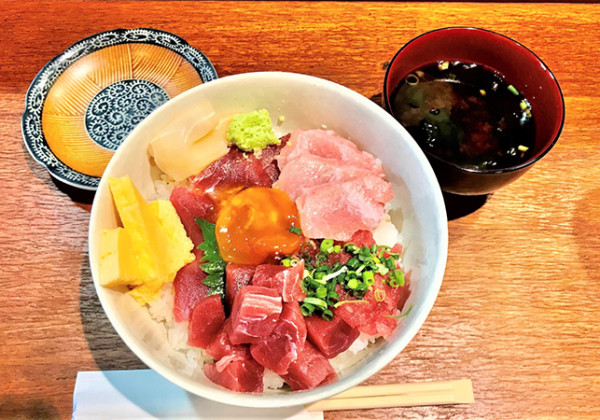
column 290, row 399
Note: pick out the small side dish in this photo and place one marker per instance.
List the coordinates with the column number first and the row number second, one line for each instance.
column 273, row 263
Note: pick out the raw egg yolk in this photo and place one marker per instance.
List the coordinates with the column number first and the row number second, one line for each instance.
column 254, row 225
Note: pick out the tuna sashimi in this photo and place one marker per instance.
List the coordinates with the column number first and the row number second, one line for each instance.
column 374, row 317
column 190, row 204
column 206, row 321
column 281, row 348
column 189, row 288
column 326, row 144
column 363, row 238
column 242, row 375
column 338, row 210
column 235, row 167
column 286, row 280
column 254, row 314
column 221, row 348
column 331, row 337
column 302, row 174
column 236, row 277
column 267, row 158
column 310, row 370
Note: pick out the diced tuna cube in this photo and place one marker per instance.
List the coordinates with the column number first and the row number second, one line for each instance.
column 236, row 277
column 206, row 321
column 254, row 314
column 242, row 375
column 286, row 280
column 310, row 370
column 281, row 348
column 223, row 350
column 331, row 337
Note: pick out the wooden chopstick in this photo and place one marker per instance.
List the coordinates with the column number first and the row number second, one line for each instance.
column 398, row 395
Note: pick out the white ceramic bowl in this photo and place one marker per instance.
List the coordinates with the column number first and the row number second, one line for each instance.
column 305, row 102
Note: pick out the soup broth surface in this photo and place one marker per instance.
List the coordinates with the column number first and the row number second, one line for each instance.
column 466, row 113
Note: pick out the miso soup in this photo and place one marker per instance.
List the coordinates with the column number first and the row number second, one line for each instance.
column 467, row 114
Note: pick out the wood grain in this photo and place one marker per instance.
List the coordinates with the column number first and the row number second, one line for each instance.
column 519, row 309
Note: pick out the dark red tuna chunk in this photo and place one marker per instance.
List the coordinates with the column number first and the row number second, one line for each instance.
column 282, row 347
column 235, row 167
column 236, row 277
column 241, row 375
column 310, row 370
column 206, row 321
column 190, row 204
column 254, row 314
column 286, row 280
column 331, row 337
column 189, row 288
column 267, row 158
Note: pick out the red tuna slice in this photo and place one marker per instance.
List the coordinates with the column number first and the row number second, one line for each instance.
column 190, row 204
column 243, row 375
column 326, row 144
column 206, row 321
column 235, row 167
column 189, row 288
column 373, row 317
column 281, row 348
column 267, row 158
column 299, row 175
column 337, row 211
column 236, row 277
column 310, row 370
column 331, row 337
column 254, row 314
column 286, row 280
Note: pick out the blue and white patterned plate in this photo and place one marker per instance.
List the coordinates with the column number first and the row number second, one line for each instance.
column 84, row 102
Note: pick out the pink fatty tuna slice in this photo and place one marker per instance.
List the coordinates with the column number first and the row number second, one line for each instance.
column 206, row 321
column 236, row 277
column 287, row 281
column 338, row 210
column 331, row 337
column 241, row 375
column 282, row 347
column 310, row 370
column 326, row 144
column 300, row 175
column 254, row 314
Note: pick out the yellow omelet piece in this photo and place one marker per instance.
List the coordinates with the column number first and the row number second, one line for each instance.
column 149, row 249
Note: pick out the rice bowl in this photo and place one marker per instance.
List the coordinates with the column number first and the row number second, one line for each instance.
column 305, row 102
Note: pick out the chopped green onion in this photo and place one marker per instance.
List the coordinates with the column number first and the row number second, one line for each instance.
column 343, row 302
column 405, row 314
column 337, row 249
column 512, row 90
column 360, row 269
column 296, row 230
column 321, row 292
column 379, row 295
column 332, row 298
column 327, row 246
column 350, row 248
column 327, row 315
column 318, row 275
column 307, row 309
column 396, row 278
column 316, row 302
column 335, row 274
column 522, row 148
column 286, row 262
column 353, row 263
column 524, row 105
column 353, row 284
column 368, row 278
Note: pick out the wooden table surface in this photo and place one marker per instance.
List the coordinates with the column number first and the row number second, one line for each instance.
column 519, row 308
